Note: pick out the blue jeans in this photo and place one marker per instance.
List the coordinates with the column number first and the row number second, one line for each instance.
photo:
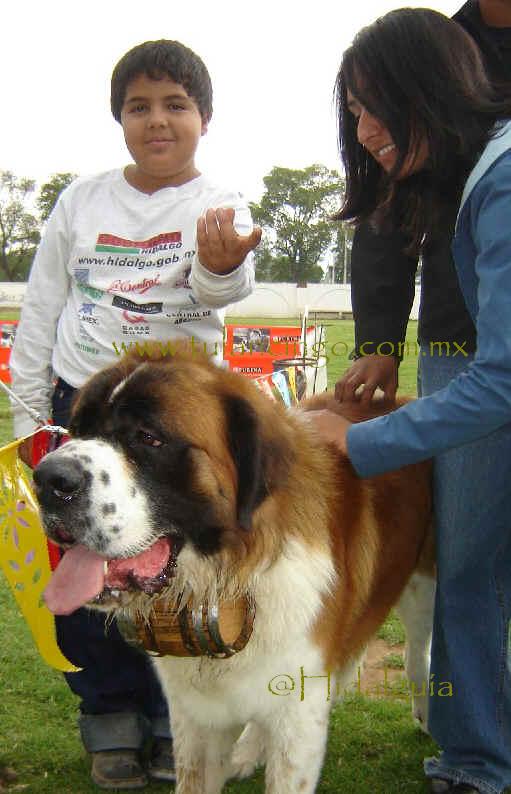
column 122, row 702
column 472, row 495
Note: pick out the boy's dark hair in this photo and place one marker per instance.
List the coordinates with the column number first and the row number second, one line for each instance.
column 422, row 76
column 158, row 59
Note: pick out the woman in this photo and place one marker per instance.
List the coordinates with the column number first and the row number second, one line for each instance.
column 420, row 132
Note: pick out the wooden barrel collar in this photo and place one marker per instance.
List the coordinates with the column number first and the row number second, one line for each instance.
column 213, row 629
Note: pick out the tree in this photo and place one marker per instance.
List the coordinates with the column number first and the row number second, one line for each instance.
column 295, row 211
column 50, row 192
column 264, row 262
column 19, row 228
column 342, row 252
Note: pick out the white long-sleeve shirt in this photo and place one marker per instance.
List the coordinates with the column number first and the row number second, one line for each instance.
column 117, row 266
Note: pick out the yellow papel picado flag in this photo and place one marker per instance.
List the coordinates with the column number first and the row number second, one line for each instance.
column 24, row 555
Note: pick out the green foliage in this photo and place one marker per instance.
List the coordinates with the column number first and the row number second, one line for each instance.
column 267, row 266
column 394, row 661
column 19, row 264
column 294, row 211
column 19, row 225
column 19, row 228
column 50, row 191
column 392, row 630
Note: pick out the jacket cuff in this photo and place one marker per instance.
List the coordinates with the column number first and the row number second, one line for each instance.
column 363, row 452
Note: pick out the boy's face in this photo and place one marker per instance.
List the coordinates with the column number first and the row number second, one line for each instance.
column 162, row 127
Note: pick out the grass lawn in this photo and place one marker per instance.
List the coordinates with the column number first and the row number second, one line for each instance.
column 374, row 747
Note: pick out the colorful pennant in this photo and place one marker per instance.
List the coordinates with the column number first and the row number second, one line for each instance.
column 25, row 556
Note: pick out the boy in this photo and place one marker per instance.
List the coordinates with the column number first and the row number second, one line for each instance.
column 130, row 255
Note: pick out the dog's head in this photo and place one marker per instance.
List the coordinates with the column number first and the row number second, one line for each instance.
column 166, row 455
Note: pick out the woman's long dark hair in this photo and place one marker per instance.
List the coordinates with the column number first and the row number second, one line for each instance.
column 422, row 76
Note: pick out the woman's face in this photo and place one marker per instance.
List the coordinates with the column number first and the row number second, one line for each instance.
column 375, row 137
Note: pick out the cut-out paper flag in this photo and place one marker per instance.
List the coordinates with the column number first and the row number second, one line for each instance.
column 25, row 555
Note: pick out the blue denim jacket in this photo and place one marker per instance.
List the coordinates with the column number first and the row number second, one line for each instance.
column 479, row 401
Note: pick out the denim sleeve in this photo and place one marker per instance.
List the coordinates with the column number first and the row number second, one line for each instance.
column 479, row 401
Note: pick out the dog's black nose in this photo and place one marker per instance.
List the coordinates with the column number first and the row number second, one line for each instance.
column 58, row 478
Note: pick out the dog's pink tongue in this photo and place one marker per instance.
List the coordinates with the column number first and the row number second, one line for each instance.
column 146, row 565
column 79, row 576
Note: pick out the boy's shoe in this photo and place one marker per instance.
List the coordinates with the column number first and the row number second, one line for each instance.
column 161, row 762
column 118, row 769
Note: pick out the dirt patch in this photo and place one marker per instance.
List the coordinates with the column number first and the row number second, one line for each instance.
column 376, row 677
column 7, row 777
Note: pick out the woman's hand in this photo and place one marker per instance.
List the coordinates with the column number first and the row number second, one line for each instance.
column 332, row 427
column 370, row 372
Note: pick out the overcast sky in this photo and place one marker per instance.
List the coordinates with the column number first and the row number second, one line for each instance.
column 272, row 62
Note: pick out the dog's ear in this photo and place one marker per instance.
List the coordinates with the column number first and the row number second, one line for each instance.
column 91, row 401
column 246, row 445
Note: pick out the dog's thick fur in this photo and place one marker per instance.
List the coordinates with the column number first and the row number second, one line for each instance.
column 266, row 508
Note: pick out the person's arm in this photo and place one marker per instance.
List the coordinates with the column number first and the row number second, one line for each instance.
column 45, row 297
column 382, row 292
column 477, row 402
column 223, row 270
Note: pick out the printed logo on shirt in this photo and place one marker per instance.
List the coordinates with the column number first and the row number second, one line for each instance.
column 94, row 351
column 82, row 275
column 140, row 308
column 110, row 243
column 138, row 325
column 133, row 318
column 186, row 316
column 183, row 280
column 139, row 287
column 140, row 329
column 86, row 314
column 82, row 279
column 134, row 262
column 91, row 292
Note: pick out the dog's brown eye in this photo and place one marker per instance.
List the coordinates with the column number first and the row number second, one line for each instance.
column 148, row 439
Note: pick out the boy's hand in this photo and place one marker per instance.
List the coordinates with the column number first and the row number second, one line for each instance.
column 220, row 248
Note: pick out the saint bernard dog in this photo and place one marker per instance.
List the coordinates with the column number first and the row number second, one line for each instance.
column 183, row 476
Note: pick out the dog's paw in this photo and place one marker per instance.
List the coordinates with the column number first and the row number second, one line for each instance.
column 248, row 751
